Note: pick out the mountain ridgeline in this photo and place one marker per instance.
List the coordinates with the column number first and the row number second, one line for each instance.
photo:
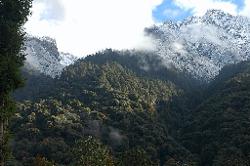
column 134, row 108
column 203, row 45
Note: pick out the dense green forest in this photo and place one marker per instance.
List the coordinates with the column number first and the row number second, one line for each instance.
column 126, row 108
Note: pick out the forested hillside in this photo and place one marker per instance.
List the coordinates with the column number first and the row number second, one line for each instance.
column 217, row 130
column 118, row 106
column 131, row 109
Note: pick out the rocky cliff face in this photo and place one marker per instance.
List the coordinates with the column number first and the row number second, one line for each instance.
column 43, row 56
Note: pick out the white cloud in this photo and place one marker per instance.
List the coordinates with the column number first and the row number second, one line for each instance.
column 86, row 26
column 53, row 10
column 199, row 7
column 246, row 9
column 178, row 47
column 172, row 13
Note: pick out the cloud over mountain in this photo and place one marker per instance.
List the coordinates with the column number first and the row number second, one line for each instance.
column 83, row 26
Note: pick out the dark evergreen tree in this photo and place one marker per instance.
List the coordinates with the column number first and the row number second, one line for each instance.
column 13, row 14
column 135, row 157
column 91, row 152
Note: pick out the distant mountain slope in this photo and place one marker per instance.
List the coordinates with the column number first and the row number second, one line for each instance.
column 203, row 45
column 42, row 55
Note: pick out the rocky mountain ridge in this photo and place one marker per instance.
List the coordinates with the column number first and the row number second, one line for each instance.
column 203, row 45
column 43, row 56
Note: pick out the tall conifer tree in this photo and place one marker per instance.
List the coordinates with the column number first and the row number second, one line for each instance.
column 13, row 15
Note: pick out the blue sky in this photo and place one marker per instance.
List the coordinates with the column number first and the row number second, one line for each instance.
column 240, row 3
column 169, row 10
column 160, row 13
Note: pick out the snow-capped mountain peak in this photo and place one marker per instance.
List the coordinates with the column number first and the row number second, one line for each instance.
column 42, row 55
column 203, row 45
